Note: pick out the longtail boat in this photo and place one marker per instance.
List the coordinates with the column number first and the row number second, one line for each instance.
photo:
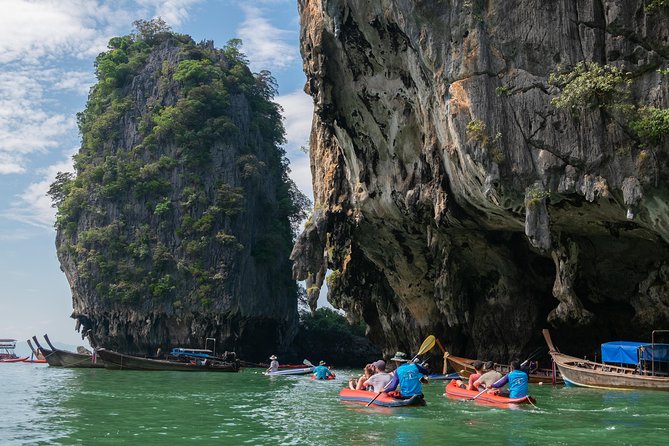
column 455, row 391
column 52, row 359
column 584, row 373
column 71, row 359
column 383, row 400
column 119, row 361
column 464, row 367
column 37, row 356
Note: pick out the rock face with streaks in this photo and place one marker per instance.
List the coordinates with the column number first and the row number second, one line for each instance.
column 454, row 197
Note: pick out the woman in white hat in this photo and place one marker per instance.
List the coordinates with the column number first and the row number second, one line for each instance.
column 274, row 365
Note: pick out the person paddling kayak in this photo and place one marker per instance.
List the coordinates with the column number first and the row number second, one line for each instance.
column 274, row 365
column 407, row 377
column 517, row 380
column 322, row 372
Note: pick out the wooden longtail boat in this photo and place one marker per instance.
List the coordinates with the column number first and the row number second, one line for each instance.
column 464, row 367
column 580, row 372
column 454, row 391
column 52, row 359
column 73, row 360
column 37, row 357
column 119, row 361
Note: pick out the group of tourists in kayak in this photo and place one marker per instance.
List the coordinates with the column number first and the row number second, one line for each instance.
column 486, row 378
column 404, row 382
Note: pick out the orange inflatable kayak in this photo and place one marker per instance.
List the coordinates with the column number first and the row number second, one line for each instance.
column 383, row 400
column 454, row 391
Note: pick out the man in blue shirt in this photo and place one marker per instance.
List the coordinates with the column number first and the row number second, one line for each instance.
column 517, row 380
column 407, row 376
column 322, row 372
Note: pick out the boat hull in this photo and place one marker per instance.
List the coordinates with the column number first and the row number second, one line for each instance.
column 302, row 371
column 454, row 391
column 14, row 359
column 464, row 367
column 383, row 400
column 119, row 361
column 76, row 360
column 583, row 373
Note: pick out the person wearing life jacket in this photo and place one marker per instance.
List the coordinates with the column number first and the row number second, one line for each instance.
column 407, row 377
column 322, row 372
column 518, row 382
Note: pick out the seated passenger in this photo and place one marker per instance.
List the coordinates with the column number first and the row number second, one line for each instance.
column 379, row 379
column 357, row 384
column 322, row 372
column 517, row 380
column 488, row 378
column 478, row 371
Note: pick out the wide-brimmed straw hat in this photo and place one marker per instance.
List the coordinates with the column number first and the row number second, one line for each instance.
column 400, row 357
column 321, row 363
column 272, row 357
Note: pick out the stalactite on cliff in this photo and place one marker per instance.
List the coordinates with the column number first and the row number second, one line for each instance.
column 434, row 121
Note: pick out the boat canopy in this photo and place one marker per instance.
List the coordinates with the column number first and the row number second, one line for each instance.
column 627, row 352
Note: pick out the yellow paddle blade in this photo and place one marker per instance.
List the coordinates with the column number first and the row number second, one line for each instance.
column 427, row 344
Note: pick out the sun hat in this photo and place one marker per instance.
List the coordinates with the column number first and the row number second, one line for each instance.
column 321, row 363
column 400, row 357
column 380, row 364
column 272, row 357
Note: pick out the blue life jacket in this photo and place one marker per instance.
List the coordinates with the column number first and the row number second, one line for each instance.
column 518, row 384
column 409, row 378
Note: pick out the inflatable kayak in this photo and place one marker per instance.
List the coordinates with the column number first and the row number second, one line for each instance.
column 323, row 379
column 454, row 391
column 14, row 359
column 383, row 400
column 302, row 371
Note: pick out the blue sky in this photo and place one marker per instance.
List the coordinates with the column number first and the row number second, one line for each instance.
column 47, row 50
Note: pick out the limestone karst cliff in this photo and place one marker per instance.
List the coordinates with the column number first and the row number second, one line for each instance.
column 178, row 224
column 483, row 169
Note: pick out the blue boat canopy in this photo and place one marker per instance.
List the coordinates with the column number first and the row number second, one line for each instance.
column 627, row 352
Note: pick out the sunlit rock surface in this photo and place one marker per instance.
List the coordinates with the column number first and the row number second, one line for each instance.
column 533, row 217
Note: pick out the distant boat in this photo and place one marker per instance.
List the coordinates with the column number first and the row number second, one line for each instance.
column 119, row 361
column 7, row 354
column 584, row 373
column 464, row 367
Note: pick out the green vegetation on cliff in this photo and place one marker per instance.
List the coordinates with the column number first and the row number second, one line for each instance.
column 180, row 177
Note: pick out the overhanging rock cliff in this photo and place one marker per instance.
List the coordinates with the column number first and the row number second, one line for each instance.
column 454, row 197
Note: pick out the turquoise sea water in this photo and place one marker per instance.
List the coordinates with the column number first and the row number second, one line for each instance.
column 41, row 405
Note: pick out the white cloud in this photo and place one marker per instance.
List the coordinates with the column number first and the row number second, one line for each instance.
column 33, row 205
column 26, row 124
column 78, row 82
column 174, row 12
column 266, row 46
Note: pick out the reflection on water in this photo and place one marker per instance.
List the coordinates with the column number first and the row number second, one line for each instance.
column 43, row 405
